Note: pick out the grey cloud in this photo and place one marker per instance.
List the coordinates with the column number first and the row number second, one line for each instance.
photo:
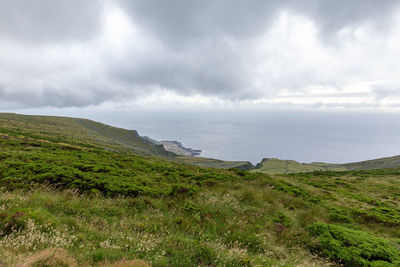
column 386, row 90
column 205, row 69
column 49, row 20
column 333, row 15
column 178, row 22
column 329, row 95
column 77, row 98
column 189, row 47
column 54, row 97
column 18, row 99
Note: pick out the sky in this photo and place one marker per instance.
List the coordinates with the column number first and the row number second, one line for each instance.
column 313, row 54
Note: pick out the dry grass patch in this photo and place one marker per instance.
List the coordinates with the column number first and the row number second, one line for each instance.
column 126, row 263
column 49, row 257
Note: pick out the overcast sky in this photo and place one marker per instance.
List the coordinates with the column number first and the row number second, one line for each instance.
column 310, row 53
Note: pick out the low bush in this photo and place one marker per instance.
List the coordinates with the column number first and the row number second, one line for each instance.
column 340, row 215
column 296, row 191
column 352, row 247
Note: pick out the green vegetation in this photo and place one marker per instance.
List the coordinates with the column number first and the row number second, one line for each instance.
column 79, row 132
column 215, row 163
column 70, row 197
column 353, row 247
column 95, row 170
column 278, row 166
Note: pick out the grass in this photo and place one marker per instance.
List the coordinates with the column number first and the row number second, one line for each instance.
column 93, row 170
column 278, row 166
column 80, row 132
column 67, row 200
column 215, row 163
column 213, row 227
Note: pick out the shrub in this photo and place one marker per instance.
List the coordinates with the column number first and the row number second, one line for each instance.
column 340, row 215
column 352, row 247
column 282, row 219
column 190, row 207
column 297, row 191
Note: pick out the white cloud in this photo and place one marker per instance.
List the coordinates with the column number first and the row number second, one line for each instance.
column 287, row 61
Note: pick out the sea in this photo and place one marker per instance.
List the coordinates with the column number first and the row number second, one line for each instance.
column 251, row 135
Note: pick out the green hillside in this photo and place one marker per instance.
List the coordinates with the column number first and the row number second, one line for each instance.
column 388, row 162
column 278, row 166
column 81, row 131
column 215, row 163
column 72, row 195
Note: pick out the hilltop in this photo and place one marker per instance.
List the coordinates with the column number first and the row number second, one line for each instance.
column 81, row 131
column 79, row 193
column 278, row 166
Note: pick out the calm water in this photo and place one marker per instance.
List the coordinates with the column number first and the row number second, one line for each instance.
column 252, row 135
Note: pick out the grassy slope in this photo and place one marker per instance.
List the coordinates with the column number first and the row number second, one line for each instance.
column 60, row 189
column 388, row 162
column 215, row 163
column 82, row 131
column 277, row 166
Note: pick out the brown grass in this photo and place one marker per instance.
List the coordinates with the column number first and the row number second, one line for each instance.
column 127, row 263
column 49, row 257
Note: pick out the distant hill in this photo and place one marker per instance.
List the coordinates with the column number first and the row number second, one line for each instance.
column 278, row 166
column 381, row 163
column 215, row 163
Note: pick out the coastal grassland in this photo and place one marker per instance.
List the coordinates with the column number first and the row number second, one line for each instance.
column 215, row 163
column 265, row 221
column 104, row 206
column 26, row 162
column 77, row 131
column 278, row 166
column 75, row 202
column 213, row 227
